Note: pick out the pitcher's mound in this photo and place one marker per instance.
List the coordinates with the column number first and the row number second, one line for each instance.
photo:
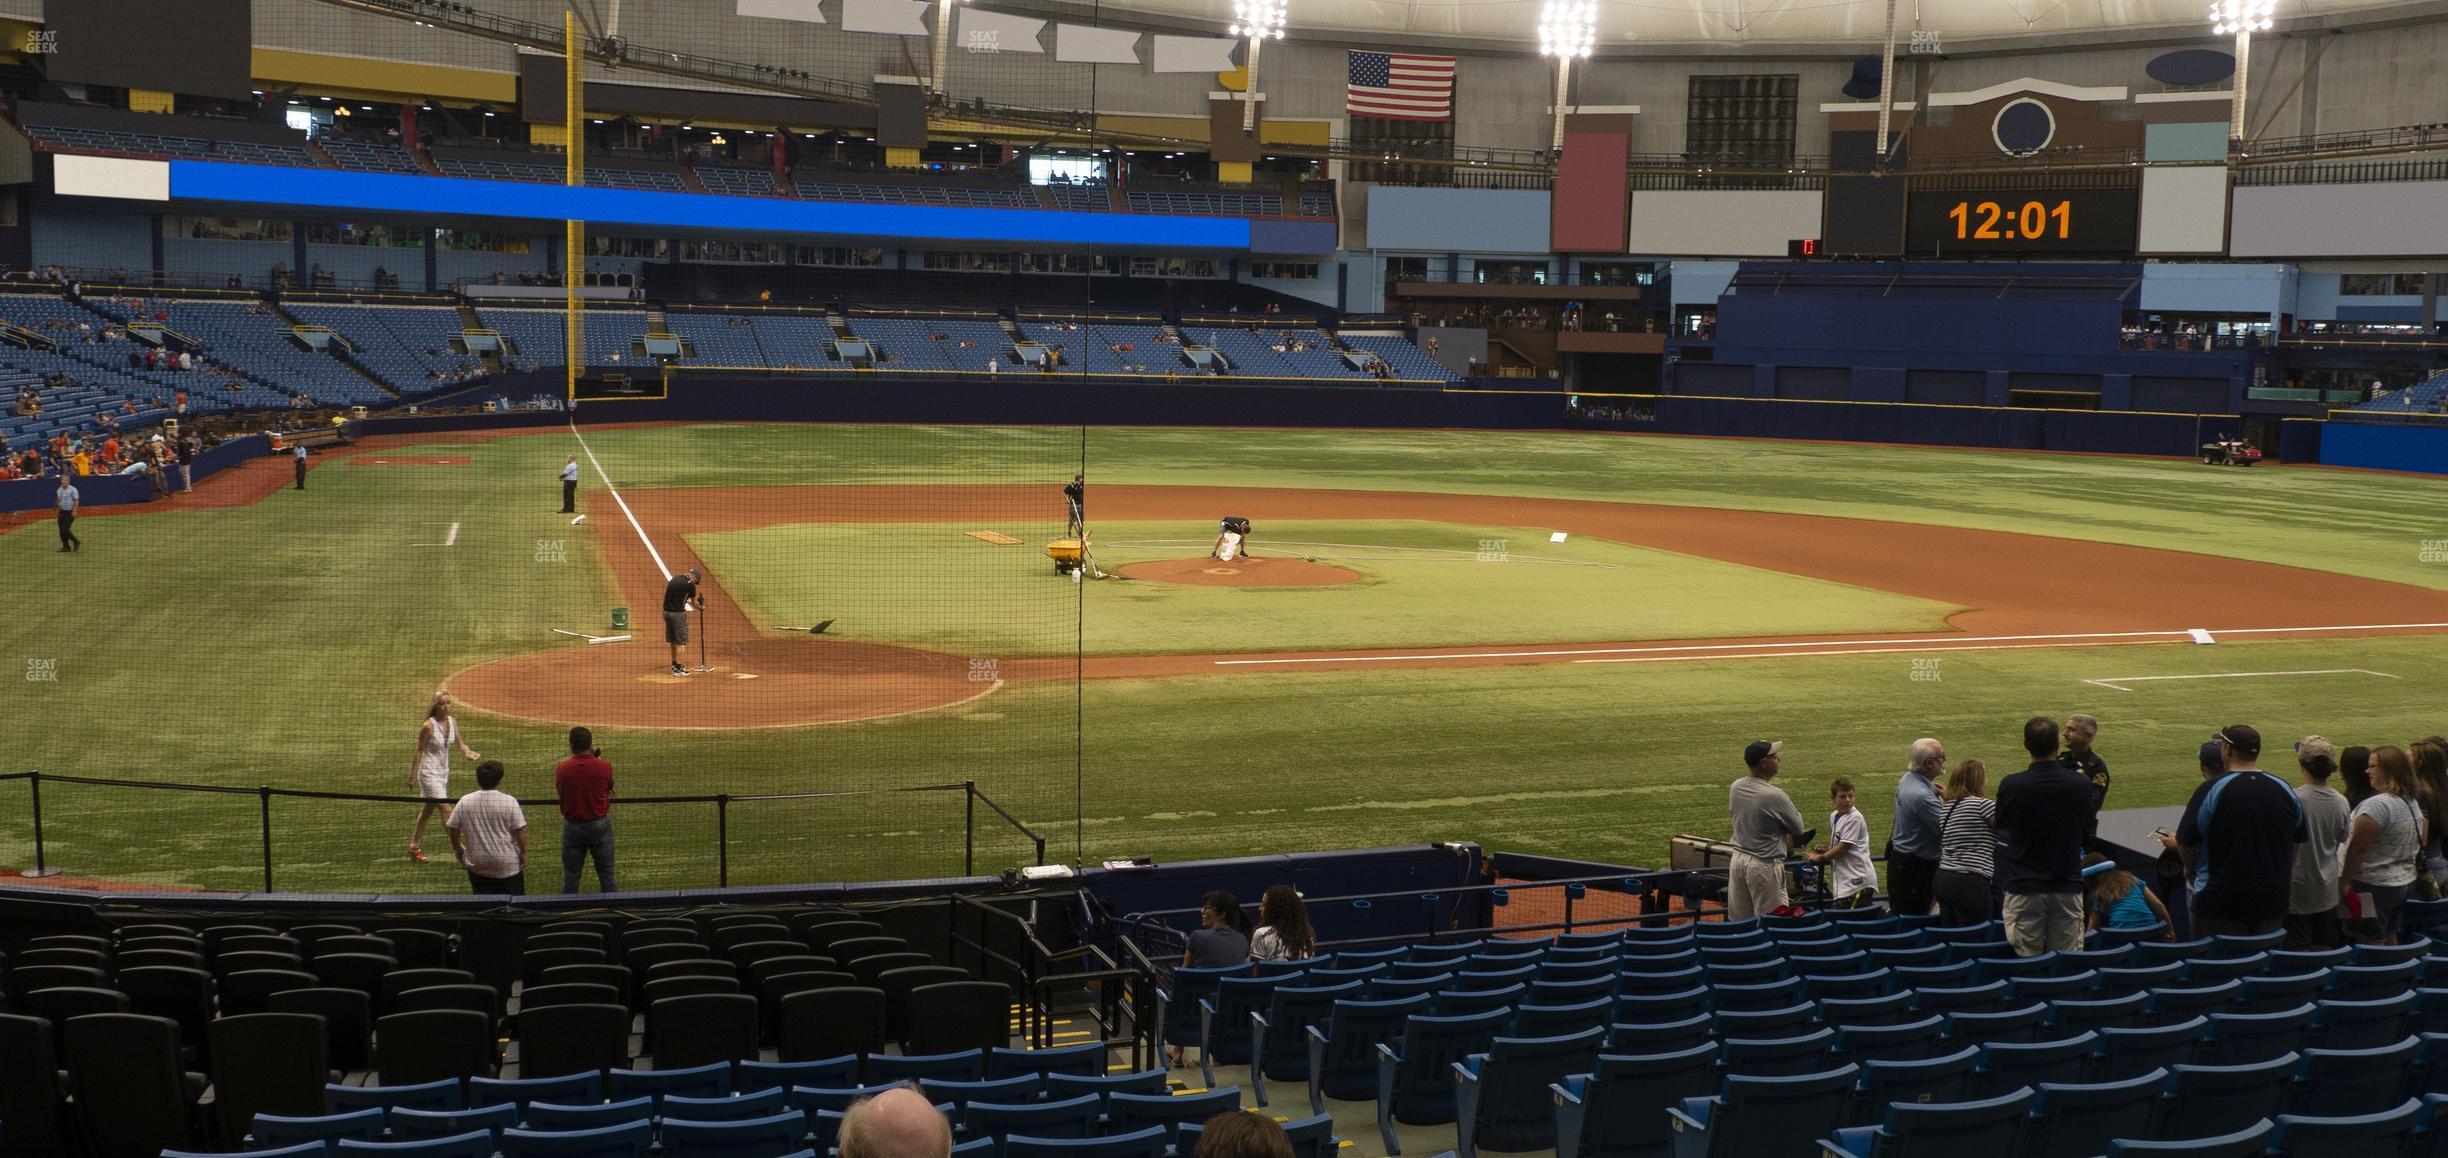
column 1264, row 571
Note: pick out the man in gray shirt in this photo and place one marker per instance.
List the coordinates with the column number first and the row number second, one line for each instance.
column 2312, row 895
column 1766, row 825
column 67, row 499
column 1913, row 854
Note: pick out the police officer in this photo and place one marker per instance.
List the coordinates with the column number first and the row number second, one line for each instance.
column 2080, row 730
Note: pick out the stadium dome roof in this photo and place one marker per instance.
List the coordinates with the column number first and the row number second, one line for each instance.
column 1790, row 25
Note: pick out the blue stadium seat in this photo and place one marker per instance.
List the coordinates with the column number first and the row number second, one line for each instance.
column 2248, row 1142
column 1618, row 1107
column 1761, row 1115
column 1914, row 956
column 958, row 1095
column 2007, row 1065
column 1086, row 1060
column 966, row 1065
column 2373, row 1135
column 1869, row 983
column 1747, row 973
column 1943, row 1078
column 2000, row 1025
column 2370, row 982
column 1768, row 995
column 706, row 1081
column 548, row 1116
column 2126, row 1052
column 1960, row 934
column 2075, row 1014
column 771, row 1136
column 1532, row 1020
column 1906, row 1041
column 2274, row 991
column 2150, row 943
column 1777, row 1056
column 1761, row 952
column 2342, row 1024
column 2117, row 980
column 2285, row 962
column 1659, row 1036
column 1501, row 1098
column 2434, row 1063
column 1844, row 964
column 2251, row 1037
column 1392, row 988
column 1756, row 1023
column 832, row 1071
column 2202, row 971
column 468, row 1144
column 1343, row 1052
column 1945, row 975
column 1991, row 1126
column 2338, row 1083
column 436, row 1095
column 1465, row 1002
column 1068, row 1118
column 1654, row 1007
column 1148, row 1143
column 1959, row 999
column 2205, row 1101
column 759, row 1104
column 627, row 1140
column 2246, row 944
column 1132, row 1112
column 2083, row 1118
column 1415, row 1078
column 423, row 1125
column 2023, row 990
column 1890, row 1009
column 566, row 1089
column 1224, row 1020
column 1975, row 952
column 2171, row 1005
column 1106, row 1085
column 1988, row 969
column 273, row 1131
column 1356, row 958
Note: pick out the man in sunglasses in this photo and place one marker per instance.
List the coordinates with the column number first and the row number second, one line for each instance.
column 2238, row 840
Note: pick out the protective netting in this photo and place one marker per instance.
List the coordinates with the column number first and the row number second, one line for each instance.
column 255, row 634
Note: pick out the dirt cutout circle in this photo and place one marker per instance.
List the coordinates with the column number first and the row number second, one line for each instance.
column 1264, row 571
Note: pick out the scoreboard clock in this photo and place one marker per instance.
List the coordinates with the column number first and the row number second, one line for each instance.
column 2025, row 221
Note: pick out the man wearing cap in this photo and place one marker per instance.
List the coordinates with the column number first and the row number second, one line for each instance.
column 2238, row 839
column 2312, row 898
column 1766, row 825
column 2041, row 811
column 678, row 596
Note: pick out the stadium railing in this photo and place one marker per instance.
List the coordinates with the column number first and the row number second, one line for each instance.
column 722, row 802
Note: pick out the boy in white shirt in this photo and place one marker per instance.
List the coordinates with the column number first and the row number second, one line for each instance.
column 1852, row 882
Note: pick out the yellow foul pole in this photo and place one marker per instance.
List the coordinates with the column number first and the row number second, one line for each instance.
column 573, row 248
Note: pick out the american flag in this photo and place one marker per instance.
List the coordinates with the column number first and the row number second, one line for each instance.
column 1400, row 85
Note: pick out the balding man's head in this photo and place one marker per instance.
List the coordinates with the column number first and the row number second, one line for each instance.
column 898, row 1123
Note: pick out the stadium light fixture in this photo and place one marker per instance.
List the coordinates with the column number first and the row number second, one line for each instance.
column 1256, row 20
column 943, row 44
column 1568, row 31
column 2240, row 19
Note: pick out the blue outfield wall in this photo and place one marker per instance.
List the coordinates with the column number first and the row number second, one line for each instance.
column 403, row 193
column 2373, row 446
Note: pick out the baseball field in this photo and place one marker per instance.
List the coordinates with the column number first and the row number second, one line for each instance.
column 1412, row 655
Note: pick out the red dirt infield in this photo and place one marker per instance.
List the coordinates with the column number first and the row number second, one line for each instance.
column 1264, row 571
column 2017, row 590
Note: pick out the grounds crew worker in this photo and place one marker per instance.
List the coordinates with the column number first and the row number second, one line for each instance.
column 569, row 486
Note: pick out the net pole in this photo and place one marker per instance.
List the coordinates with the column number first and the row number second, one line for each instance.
column 573, row 245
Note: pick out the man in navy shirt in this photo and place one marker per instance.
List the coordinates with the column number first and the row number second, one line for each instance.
column 2042, row 811
column 2238, row 839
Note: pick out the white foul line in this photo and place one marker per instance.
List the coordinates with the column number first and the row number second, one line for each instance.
column 657, row 556
column 2113, row 682
column 1932, row 643
column 451, row 539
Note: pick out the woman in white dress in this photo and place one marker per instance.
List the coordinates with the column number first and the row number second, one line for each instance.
column 429, row 773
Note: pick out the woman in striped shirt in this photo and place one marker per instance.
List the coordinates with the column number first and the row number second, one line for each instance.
column 1967, row 836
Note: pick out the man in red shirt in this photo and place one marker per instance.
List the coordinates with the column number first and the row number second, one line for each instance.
column 584, row 783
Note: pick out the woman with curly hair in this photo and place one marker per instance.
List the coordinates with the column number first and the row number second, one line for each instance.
column 1283, row 927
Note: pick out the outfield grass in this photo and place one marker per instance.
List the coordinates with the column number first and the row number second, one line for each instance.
column 1421, row 585
column 294, row 642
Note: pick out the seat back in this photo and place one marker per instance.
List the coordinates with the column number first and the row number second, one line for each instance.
column 766, row 1137
column 966, row 1065
column 594, row 1116
column 2126, row 1052
column 1909, row 1041
column 348, row 1022
column 763, row 1103
column 2078, row 1118
column 684, row 1032
column 1989, row 1126
column 1149, row 1143
column 2249, row 1142
column 1626, row 1096
column 1290, row 1011
column 2006, row 1066
column 1660, row 1036
column 127, row 1081
column 899, row 984
column 1779, row 1056
column 1514, row 1110
column 1345, row 1062
column 437, row 1095
column 951, row 1016
column 627, row 1140
column 2346, row 1024
column 2204, row 1101
column 2339, row 1083
column 1784, row 1114
column 1132, row 1112
column 1944, row 1078
column 823, row 1023
column 1085, row 1060
column 1068, row 1118
column 1423, row 1088
column 33, row 1105
column 266, row 1063
column 425, row 1125
column 712, row 1080
column 2381, row 1132
column 575, row 1089
column 433, row 1044
column 2237, row 1038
